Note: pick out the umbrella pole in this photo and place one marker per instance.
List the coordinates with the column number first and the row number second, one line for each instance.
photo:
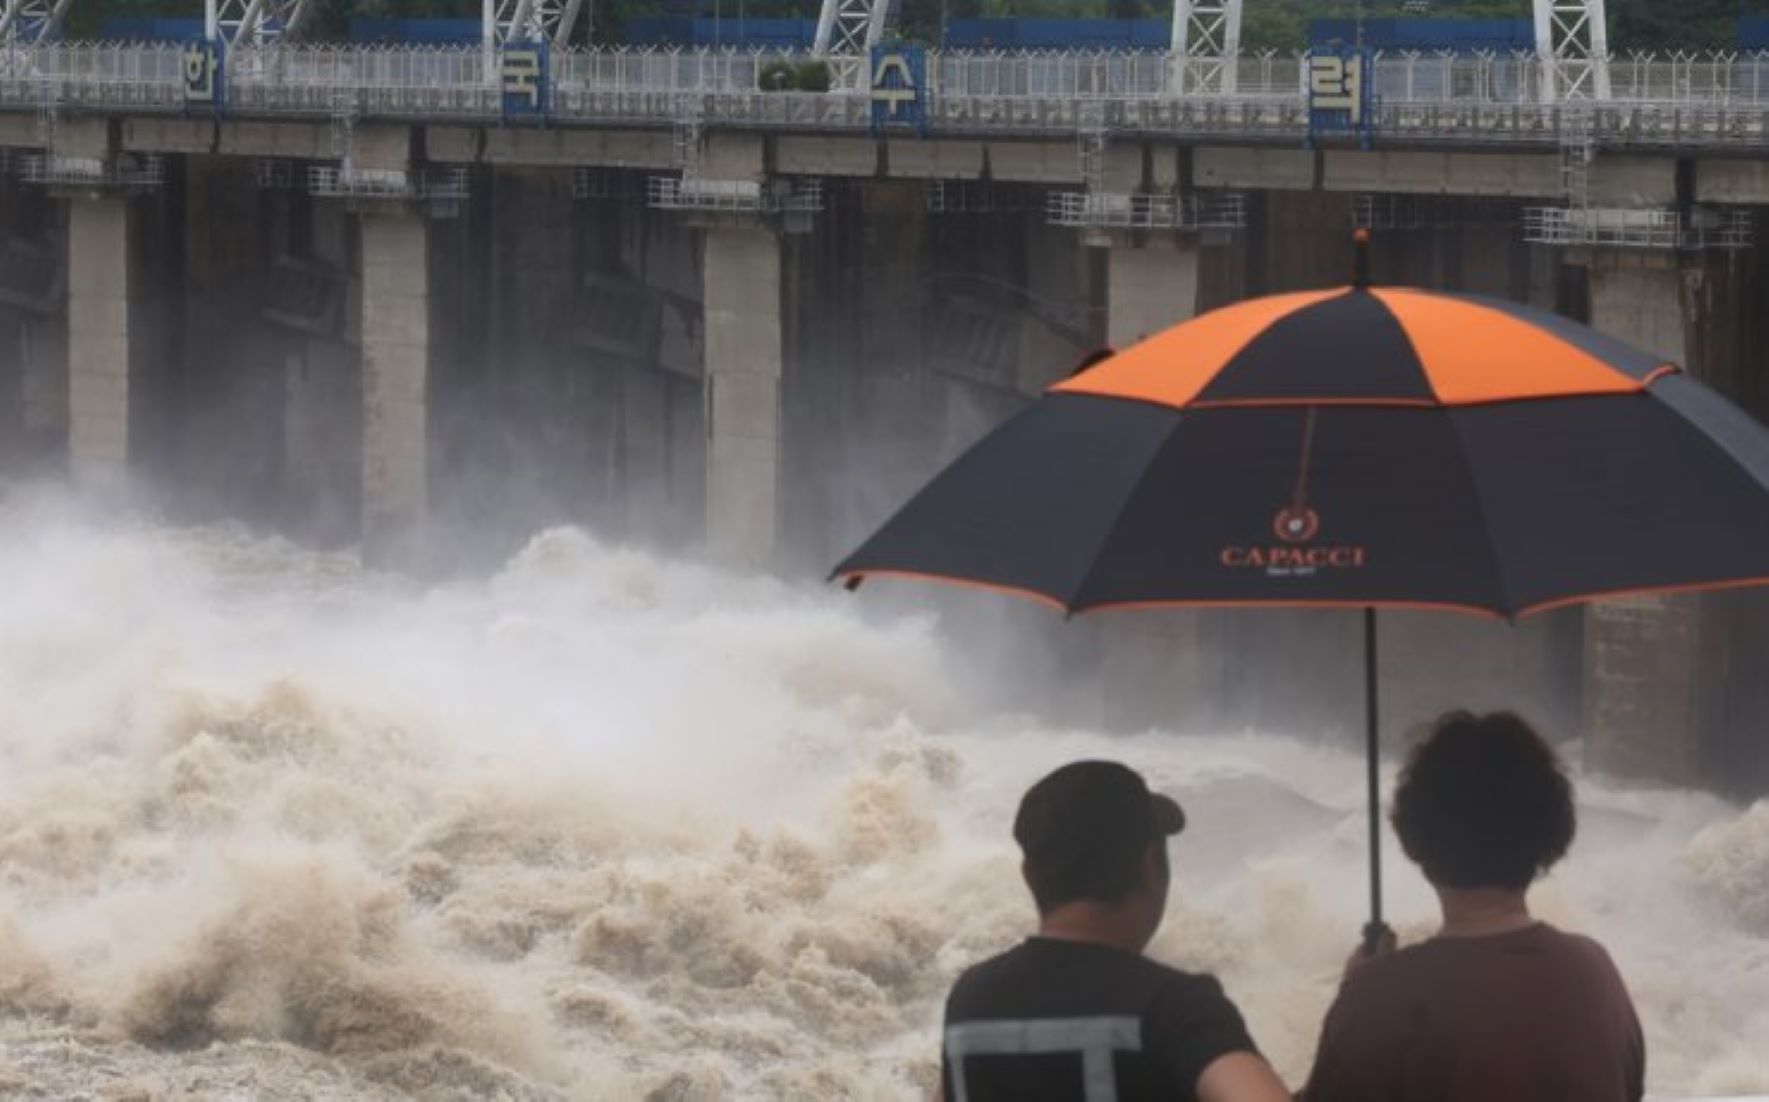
column 1375, row 928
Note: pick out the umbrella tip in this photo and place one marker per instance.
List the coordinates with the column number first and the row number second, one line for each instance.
column 1360, row 240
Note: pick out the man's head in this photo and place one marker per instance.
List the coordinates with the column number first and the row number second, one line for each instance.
column 1484, row 803
column 1092, row 832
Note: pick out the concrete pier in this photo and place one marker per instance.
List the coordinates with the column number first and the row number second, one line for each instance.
column 1158, row 668
column 1639, row 297
column 322, row 399
column 743, row 370
column 1641, row 653
column 1149, row 289
column 395, row 385
column 98, row 340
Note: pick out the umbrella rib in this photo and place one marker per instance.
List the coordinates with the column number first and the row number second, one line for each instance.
column 1739, row 437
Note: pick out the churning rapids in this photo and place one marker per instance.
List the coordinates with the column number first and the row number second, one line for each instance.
column 609, row 827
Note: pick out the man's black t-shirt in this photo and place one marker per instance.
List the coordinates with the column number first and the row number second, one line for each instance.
column 1067, row 1021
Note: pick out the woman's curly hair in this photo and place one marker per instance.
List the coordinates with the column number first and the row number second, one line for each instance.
column 1484, row 802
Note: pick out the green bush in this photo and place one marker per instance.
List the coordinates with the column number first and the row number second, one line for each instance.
column 778, row 76
column 813, row 76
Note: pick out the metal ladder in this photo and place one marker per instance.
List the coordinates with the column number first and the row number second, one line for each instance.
column 690, row 126
column 1577, row 149
column 1090, row 127
column 343, row 127
column 48, row 112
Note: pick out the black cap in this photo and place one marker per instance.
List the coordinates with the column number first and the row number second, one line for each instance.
column 1092, row 807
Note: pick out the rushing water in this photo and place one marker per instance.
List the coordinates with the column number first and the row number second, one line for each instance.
column 609, row 827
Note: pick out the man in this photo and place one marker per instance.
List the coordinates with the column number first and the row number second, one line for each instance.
column 1497, row 1005
column 1077, row 1013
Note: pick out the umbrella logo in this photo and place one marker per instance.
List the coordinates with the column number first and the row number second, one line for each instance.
column 1296, row 523
column 1295, row 526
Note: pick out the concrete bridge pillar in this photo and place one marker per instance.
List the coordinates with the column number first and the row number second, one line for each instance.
column 395, row 385
column 322, row 403
column 99, row 348
column 1157, row 668
column 1641, row 654
column 1149, row 289
column 742, row 301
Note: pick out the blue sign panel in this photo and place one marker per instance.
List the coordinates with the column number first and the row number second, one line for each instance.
column 203, row 73
column 522, row 75
column 1339, row 99
column 899, row 87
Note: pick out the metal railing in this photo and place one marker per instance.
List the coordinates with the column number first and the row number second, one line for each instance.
column 128, row 173
column 804, row 196
column 1637, row 229
column 666, row 69
column 1104, row 210
column 1670, row 100
column 107, row 76
column 1119, row 75
column 396, row 82
column 389, row 184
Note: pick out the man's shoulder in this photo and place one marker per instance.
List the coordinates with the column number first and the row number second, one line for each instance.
column 1038, row 961
column 1180, row 976
column 989, row 973
column 1006, row 960
column 1043, row 952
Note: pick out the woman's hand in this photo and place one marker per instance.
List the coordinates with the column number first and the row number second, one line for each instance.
column 1378, row 942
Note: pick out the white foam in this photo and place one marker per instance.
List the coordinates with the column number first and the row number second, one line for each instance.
column 604, row 825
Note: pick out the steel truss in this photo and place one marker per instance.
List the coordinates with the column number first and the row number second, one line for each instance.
column 28, row 21
column 549, row 21
column 849, row 28
column 1572, row 39
column 1206, row 42
column 244, row 22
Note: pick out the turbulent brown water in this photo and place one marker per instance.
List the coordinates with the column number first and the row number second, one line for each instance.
column 609, row 827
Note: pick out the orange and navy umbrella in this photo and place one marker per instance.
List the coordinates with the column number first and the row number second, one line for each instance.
column 1360, row 447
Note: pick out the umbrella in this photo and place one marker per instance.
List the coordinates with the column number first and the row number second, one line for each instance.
column 1361, row 447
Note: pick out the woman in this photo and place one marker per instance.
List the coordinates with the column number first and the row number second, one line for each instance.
column 1497, row 1005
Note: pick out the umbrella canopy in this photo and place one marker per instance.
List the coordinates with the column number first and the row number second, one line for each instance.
column 1362, row 447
